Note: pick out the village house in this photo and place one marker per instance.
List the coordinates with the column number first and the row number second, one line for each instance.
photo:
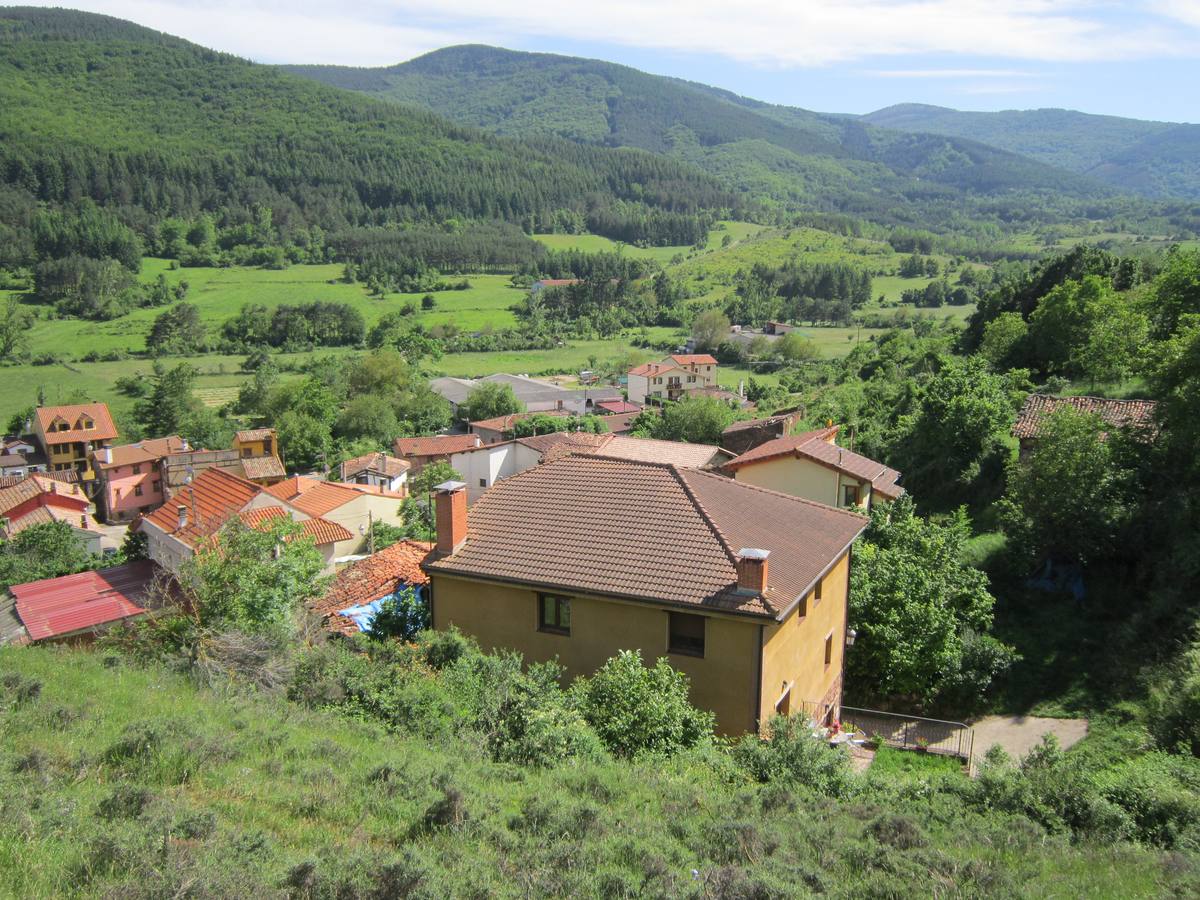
column 256, row 442
column 67, row 435
column 744, row 590
column 338, row 517
column 359, row 589
column 813, row 466
column 533, row 395
column 484, row 466
column 40, row 500
column 502, row 428
column 129, row 480
column 749, row 433
column 655, row 382
column 378, row 470
column 14, row 464
column 1136, row 416
column 421, row 451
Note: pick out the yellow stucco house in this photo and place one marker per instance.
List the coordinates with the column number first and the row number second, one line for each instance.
column 743, row 589
column 813, row 466
column 69, row 434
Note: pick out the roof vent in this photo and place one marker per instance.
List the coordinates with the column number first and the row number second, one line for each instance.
column 182, row 512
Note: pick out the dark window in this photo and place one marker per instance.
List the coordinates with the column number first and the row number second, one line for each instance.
column 137, row 490
column 802, row 609
column 156, row 485
column 246, row 451
column 686, row 635
column 554, row 614
column 483, row 482
column 829, row 649
column 816, row 594
column 850, row 495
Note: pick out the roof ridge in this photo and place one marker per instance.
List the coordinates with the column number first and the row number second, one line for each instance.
column 704, row 514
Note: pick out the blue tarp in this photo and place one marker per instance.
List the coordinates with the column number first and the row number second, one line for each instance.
column 364, row 614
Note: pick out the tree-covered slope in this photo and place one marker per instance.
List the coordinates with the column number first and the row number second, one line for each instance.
column 95, row 107
column 815, row 161
column 1157, row 159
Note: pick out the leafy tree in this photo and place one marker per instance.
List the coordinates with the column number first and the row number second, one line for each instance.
column 793, row 754
column 367, row 416
column 304, row 440
column 544, row 424
column 431, row 476
column 637, row 710
column 697, row 420
column 418, row 510
column 488, row 400
column 1002, row 339
column 43, row 551
column 98, row 289
column 178, row 330
column 254, row 579
column 169, row 401
column 402, row 616
column 1085, row 328
column 794, row 347
column 1175, row 291
column 15, row 322
column 710, row 328
column 253, row 394
column 1068, row 499
column 922, row 615
column 204, row 427
column 21, row 420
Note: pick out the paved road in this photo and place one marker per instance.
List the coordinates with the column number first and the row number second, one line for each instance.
column 1020, row 734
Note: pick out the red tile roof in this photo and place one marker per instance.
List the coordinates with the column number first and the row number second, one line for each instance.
column 34, row 486
column 212, row 499
column 648, row 532
column 45, row 515
column 694, row 359
column 322, row 531
column 650, row 369
column 258, row 468
column 313, row 497
column 618, row 407
column 371, row 579
column 1133, row 414
column 150, row 450
column 439, row 445
column 98, row 412
column 55, row 607
column 815, row 446
column 381, row 463
column 507, row 423
column 254, row 434
column 621, row 423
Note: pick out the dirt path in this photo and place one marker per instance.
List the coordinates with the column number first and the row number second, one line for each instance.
column 1020, row 734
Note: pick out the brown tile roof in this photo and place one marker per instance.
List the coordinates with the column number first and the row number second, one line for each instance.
column 32, row 486
column 313, row 497
column 815, row 446
column 44, row 515
column 212, row 499
column 371, row 579
column 694, row 359
column 675, row 453
column 98, row 412
column 618, row 407
column 648, row 532
column 559, row 442
column 507, row 423
column 383, row 463
column 260, row 467
column 439, row 445
column 12, row 461
column 254, row 434
column 150, row 450
column 1133, row 414
column 621, row 422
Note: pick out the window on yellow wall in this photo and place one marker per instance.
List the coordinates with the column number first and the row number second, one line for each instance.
column 802, row 609
column 829, row 649
column 554, row 614
column 686, row 634
column 816, row 594
column 850, row 495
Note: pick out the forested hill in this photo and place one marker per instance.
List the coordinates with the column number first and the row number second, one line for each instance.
column 790, row 156
column 1157, row 159
column 153, row 126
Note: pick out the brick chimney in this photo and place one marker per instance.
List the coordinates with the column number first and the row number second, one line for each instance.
column 752, row 570
column 182, row 512
column 450, row 515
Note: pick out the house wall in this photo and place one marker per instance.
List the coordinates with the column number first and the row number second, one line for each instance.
column 503, row 616
column 794, row 649
column 788, row 475
column 165, row 550
column 482, row 468
column 121, row 502
column 639, row 388
column 354, row 513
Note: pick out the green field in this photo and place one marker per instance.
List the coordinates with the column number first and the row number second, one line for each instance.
column 594, row 243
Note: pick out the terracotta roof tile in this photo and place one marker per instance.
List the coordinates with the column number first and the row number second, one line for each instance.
column 30, row 487
column 371, row 579
column 618, row 407
column 213, row 498
column 816, row 446
column 254, row 434
column 647, row 532
column 260, row 467
column 507, row 423
column 439, row 445
column 103, row 430
column 313, row 497
column 382, row 463
column 694, row 359
column 322, row 531
column 45, row 515
column 676, row 453
column 1132, row 414
column 150, row 450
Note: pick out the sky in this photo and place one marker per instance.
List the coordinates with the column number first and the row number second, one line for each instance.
column 1137, row 58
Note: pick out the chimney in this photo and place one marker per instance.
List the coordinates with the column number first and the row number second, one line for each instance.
column 451, row 516
column 183, row 444
column 105, row 454
column 752, row 570
column 182, row 512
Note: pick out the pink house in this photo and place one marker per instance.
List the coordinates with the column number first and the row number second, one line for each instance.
column 130, row 478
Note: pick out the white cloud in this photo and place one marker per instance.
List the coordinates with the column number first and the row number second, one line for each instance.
column 773, row 33
column 951, row 73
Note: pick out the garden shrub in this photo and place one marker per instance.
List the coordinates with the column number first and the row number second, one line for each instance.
column 790, row 753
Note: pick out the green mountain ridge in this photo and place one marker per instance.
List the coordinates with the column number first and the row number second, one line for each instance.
column 1155, row 159
column 792, row 157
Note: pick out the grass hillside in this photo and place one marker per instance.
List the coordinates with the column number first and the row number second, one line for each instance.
column 122, row 781
column 790, row 156
column 1157, row 159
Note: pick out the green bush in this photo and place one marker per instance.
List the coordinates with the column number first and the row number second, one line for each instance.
column 636, row 709
column 791, row 754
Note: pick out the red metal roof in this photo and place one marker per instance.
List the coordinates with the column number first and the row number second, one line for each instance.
column 54, row 607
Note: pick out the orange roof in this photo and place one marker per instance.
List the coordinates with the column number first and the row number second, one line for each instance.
column 103, row 430
column 34, row 486
column 1137, row 415
column 45, row 515
column 371, row 579
column 150, row 450
column 257, row 467
column 312, row 496
column 383, row 463
column 694, row 359
column 650, row 369
column 322, row 531
column 817, row 447
column 211, row 500
column 438, row 445
column 254, row 434
column 648, row 532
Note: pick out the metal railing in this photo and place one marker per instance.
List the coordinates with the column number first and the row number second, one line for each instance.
column 914, row 732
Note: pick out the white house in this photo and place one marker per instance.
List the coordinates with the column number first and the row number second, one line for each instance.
column 672, row 377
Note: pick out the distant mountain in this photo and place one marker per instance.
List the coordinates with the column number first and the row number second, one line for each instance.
column 1156, row 159
column 789, row 156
